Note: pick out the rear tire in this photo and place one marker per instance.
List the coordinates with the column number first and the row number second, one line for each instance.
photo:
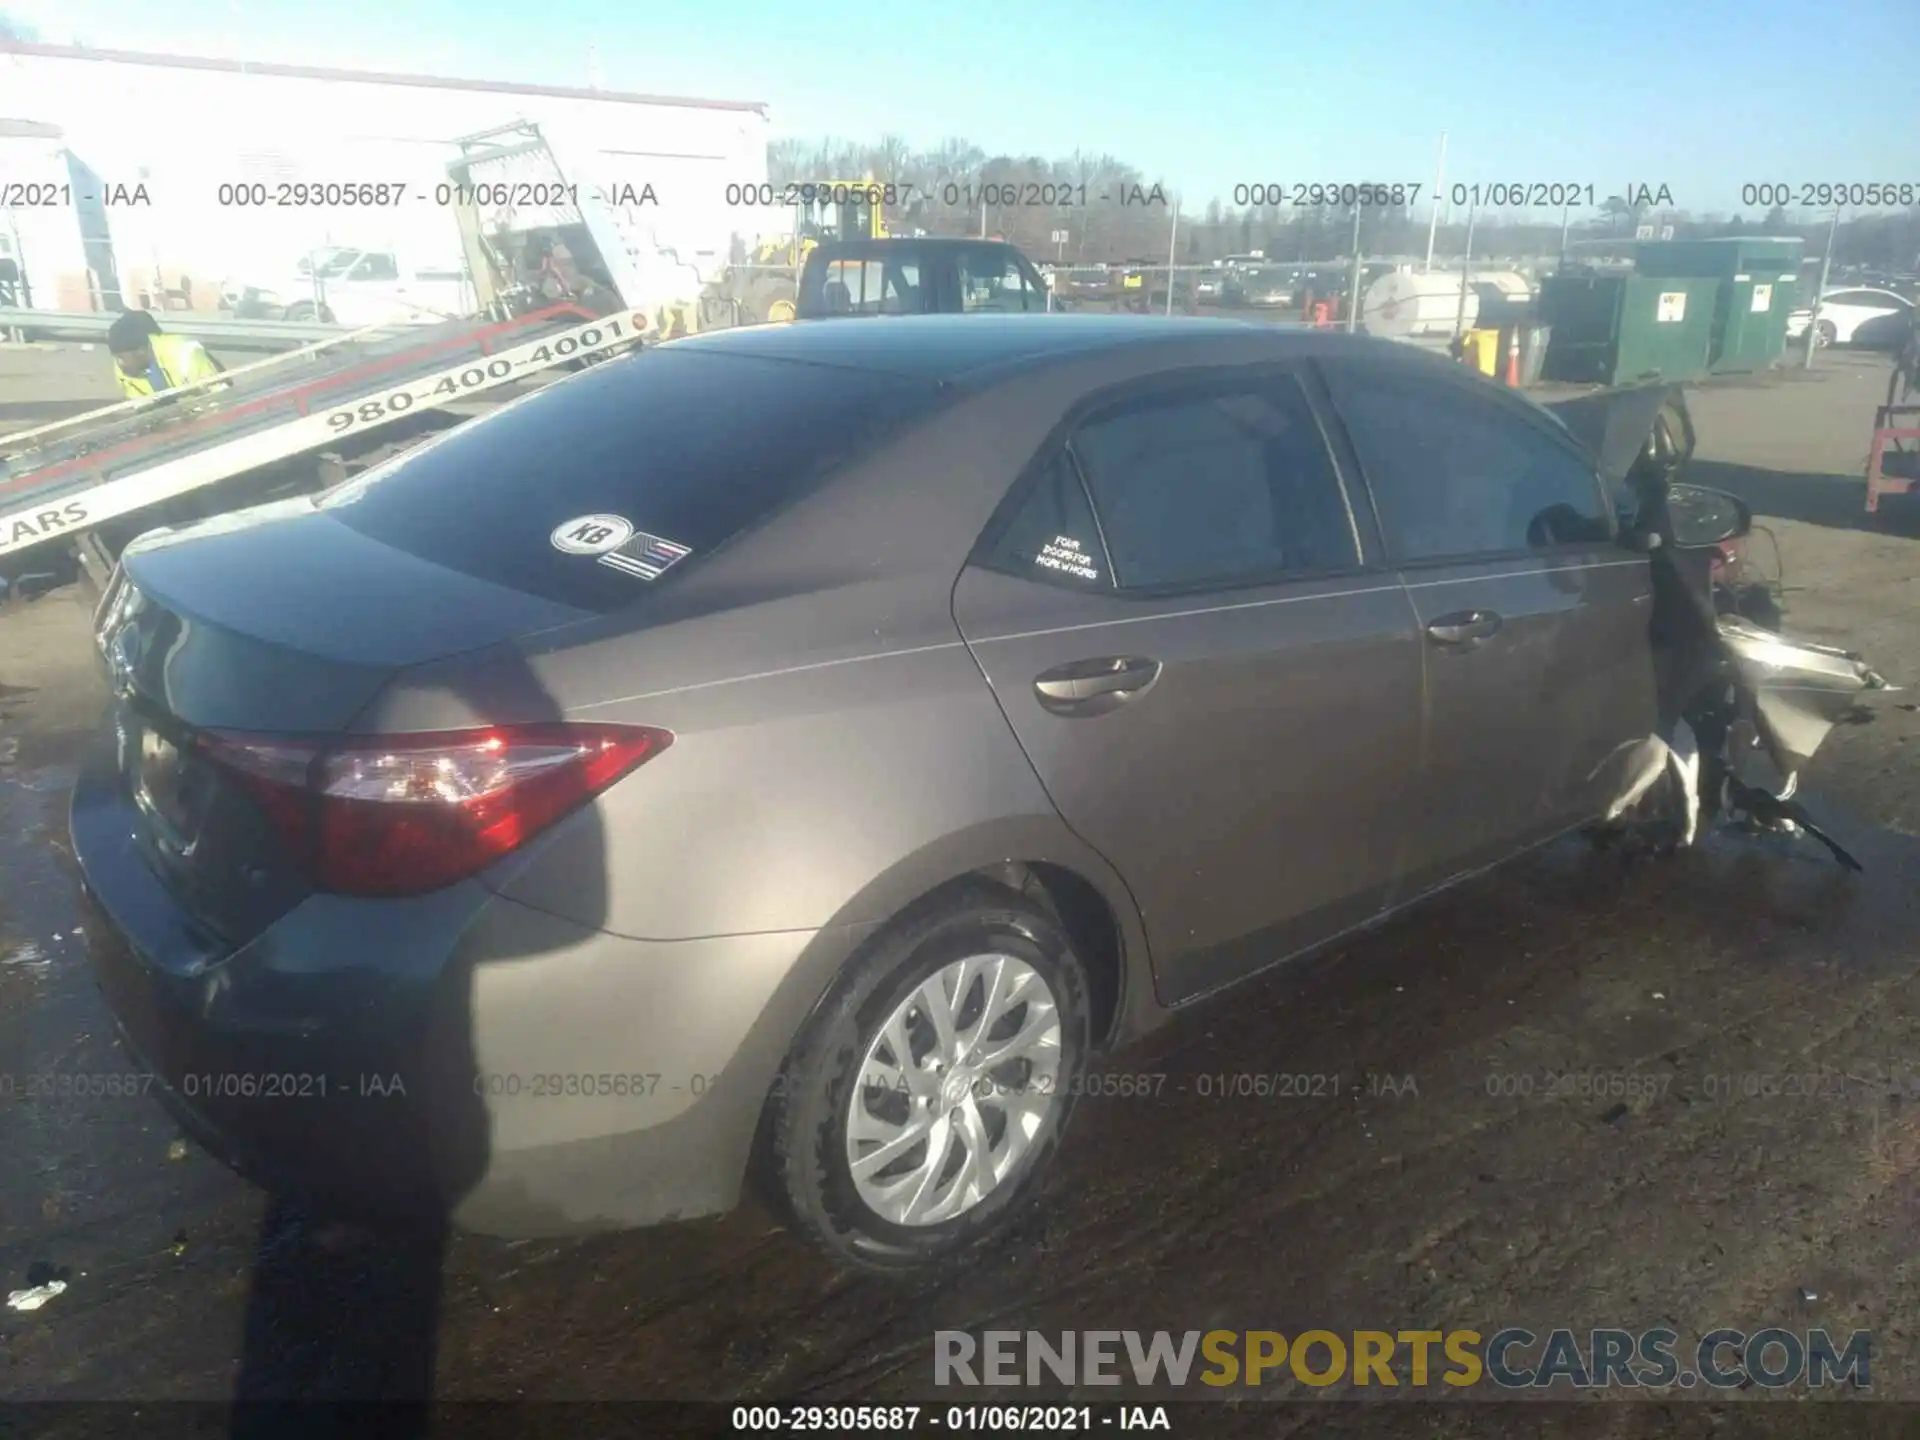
column 909, row 1106
column 770, row 301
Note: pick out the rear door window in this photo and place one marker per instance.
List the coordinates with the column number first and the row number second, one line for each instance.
column 991, row 279
column 680, row 450
column 1217, row 485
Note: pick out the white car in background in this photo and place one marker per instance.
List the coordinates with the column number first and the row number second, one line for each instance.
column 343, row 285
column 1856, row 315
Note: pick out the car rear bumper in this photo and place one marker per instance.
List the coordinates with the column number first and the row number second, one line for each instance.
column 457, row 1055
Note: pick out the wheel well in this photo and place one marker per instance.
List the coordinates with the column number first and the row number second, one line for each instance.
column 1081, row 910
column 1084, row 914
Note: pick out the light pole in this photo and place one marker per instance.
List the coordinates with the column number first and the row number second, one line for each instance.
column 1466, row 267
column 1826, row 268
column 1353, row 286
column 1173, row 237
column 1439, row 184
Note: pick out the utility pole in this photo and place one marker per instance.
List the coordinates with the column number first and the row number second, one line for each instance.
column 1353, row 286
column 1173, row 252
column 1826, row 268
column 1439, row 186
column 1466, row 268
column 1566, row 220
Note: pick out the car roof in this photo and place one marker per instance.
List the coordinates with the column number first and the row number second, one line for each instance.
column 946, row 348
column 884, row 244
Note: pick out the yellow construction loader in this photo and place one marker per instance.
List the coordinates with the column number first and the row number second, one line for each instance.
column 829, row 210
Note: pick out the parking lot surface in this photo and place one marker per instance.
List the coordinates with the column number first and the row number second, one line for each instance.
column 1441, row 1170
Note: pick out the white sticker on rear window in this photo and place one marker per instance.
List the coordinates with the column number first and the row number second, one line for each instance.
column 647, row 556
column 592, row 534
column 1063, row 552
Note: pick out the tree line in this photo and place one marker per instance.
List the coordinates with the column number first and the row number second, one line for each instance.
column 958, row 188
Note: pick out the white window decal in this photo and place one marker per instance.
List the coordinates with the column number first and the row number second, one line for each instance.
column 1065, row 553
column 592, row 534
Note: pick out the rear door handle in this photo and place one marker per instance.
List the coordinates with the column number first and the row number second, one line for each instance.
column 1095, row 686
column 1464, row 627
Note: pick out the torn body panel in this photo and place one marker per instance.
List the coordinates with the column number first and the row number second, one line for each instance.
column 1799, row 690
column 1742, row 707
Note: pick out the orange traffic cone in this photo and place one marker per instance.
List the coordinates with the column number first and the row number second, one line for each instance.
column 1513, row 358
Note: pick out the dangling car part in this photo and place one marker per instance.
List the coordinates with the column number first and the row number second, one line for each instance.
column 1743, row 706
column 1784, row 698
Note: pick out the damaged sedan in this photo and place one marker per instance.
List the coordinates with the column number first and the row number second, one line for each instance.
column 788, row 756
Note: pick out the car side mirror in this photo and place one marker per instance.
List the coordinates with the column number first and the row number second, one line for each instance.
column 1700, row 517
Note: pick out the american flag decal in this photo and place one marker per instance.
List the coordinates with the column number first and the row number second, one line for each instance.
column 645, row 555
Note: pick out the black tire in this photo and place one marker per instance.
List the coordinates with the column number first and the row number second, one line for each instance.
column 810, row 1105
column 764, row 295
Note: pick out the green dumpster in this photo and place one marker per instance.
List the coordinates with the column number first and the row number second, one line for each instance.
column 1619, row 329
column 1756, row 275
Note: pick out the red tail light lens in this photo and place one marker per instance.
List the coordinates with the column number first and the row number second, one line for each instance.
column 405, row 814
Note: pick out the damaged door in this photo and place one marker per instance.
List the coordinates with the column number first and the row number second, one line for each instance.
column 1534, row 617
column 1219, row 691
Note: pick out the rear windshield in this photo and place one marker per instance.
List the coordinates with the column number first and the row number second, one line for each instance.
column 612, row 482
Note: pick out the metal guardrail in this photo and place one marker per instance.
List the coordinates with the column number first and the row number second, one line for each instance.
column 93, row 325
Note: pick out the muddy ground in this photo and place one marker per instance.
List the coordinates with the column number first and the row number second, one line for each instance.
column 1450, row 1207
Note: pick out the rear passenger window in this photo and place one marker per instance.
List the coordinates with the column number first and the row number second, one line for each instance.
column 1457, row 474
column 1053, row 537
column 636, row 440
column 1215, row 487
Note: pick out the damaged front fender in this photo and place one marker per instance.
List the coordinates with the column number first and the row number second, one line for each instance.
column 1775, row 702
column 1798, row 691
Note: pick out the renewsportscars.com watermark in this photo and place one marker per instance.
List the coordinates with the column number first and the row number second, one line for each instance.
column 1507, row 1359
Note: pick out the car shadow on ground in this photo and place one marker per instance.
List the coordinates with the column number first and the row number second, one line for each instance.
column 1837, row 502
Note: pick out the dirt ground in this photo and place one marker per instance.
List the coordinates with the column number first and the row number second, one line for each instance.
column 1446, row 1205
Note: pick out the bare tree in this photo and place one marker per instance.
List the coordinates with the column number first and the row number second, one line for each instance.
column 787, row 157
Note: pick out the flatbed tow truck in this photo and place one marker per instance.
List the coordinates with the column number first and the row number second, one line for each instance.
column 560, row 286
column 74, row 492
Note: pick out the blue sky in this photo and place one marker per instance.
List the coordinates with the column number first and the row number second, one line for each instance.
column 1703, row 96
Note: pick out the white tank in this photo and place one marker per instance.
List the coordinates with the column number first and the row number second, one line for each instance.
column 1406, row 305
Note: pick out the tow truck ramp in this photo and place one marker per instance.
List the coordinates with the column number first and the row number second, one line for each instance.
column 295, row 421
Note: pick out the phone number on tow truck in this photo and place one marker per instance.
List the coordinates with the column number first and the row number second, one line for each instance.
column 482, row 374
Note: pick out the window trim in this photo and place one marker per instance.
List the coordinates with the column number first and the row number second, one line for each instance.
column 1164, row 387
column 1498, row 400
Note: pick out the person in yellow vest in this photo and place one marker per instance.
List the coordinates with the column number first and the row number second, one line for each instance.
column 147, row 361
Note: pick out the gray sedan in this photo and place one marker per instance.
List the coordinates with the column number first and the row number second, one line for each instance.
column 794, row 752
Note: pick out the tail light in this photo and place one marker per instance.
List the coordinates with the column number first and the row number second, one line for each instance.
column 403, row 814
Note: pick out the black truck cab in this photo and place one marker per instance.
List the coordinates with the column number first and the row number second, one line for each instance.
column 918, row 275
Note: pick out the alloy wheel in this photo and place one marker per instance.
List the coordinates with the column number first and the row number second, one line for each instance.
column 955, row 1087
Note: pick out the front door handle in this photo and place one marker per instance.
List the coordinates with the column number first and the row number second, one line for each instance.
column 1464, row 627
column 1093, row 687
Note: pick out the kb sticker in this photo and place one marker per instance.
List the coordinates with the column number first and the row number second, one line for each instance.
column 592, row 534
